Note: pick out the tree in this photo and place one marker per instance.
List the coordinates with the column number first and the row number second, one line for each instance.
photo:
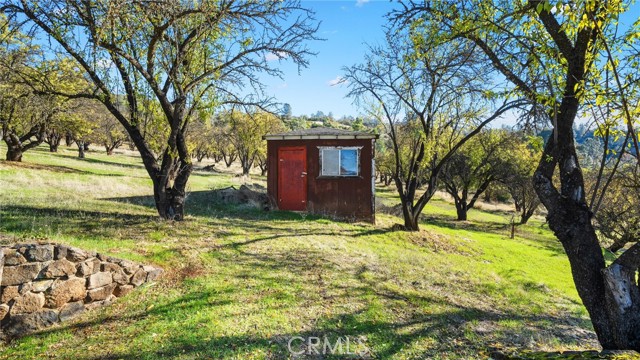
column 107, row 132
column 549, row 52
column 21, row 130
column 517, row 172
column 245, row 131
column 180, row 56
column 29, row 117
column 618, row 219
column 476, row 165
column 201, row 138
column 438, row 91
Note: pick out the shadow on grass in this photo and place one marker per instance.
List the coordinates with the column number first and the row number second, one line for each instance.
column 29, row 219
column 373, row 316
column 53, row 168
column 104, row 162
column 525, row 232
column 205, row 204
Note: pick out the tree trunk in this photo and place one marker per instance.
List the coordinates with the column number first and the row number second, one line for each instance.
column 53, row 139
column 410, row 219
column 610, row 295
column 68, row 139
column 170, row 195
column 81, row 148
column 109, row 148
column 623, row 298
column 526, row 215
column 461, row 210
column 17, row 145
column 169, row 201
column 14, row 153
column 246, row 167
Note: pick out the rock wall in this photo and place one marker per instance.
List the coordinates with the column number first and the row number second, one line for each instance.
column 43, row 284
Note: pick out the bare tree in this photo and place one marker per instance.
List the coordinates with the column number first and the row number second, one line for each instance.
column 438, row 91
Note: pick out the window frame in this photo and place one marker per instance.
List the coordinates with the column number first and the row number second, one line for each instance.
column 358, row 150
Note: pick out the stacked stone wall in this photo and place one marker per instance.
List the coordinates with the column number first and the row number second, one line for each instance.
column 43, row 284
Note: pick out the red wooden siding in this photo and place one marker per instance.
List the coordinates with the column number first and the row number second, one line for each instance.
column 292, row 182
column 350, row 198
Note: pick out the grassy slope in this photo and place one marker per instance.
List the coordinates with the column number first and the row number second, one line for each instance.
column 241, row 282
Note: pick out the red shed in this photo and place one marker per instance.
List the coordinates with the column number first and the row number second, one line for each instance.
column 323, row 171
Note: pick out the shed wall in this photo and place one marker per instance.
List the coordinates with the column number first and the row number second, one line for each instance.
column 349, row 198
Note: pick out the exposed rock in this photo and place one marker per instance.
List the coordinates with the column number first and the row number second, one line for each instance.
column 8, row 293
column 100, row 293
column 27, row 303
column 58, row 268
column 24, row 288
column 108, row 301
column 122, row 290
column 129, row 267
column 41, row 286
column 99, row 279
column 4, row 310
column 47, row 283
column 103, row 257
column 26, row 323
column 139, row 277
column 116, row 271
column 64, row 291
column 88, row 267
column 60, row 252
column 152, row 272
column 20, row 274
column 39, row 253
column 71, row 310
column 75, row 254
column 13, row 257
column 244, row 195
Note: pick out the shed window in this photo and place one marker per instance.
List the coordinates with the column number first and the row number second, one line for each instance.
column 336, row 161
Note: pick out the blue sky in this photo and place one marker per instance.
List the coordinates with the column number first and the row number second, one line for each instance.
column 346, row 27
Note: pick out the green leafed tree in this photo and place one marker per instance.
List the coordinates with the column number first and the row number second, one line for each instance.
column 475, row 166
column 177, row 56
column 556, row 55
column 516, row 173
column 245, row 132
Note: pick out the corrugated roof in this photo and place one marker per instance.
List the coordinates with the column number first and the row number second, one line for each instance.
column 320, row 133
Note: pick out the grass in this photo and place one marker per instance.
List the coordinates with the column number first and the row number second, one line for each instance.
column 240, row 282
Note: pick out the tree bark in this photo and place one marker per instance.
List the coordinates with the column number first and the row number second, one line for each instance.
column 17, row 145
column 526, row 215
column 53, row 139
column 81, row 149
column 14, row 153
column 170, row 195
column 461, row 210
column 53, row 147
column 68, row 139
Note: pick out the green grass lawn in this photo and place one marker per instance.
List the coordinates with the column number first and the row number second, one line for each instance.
column 240, row 282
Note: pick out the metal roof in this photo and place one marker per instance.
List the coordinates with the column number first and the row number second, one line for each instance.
column 320, row 133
